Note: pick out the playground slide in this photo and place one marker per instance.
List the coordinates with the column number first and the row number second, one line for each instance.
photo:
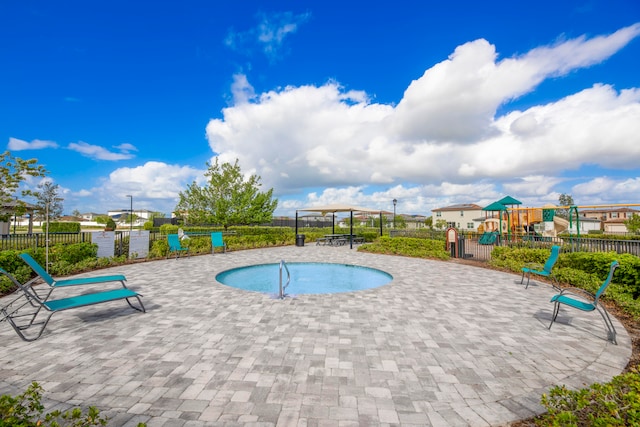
column 560, row 225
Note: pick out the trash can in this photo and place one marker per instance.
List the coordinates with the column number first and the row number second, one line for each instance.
column 300, row 239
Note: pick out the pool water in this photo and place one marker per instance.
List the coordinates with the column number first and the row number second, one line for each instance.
column 306, row 278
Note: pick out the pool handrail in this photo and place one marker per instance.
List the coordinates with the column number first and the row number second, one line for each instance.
column 282, row 288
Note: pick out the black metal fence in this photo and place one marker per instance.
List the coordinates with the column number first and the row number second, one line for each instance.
column 469, row 246
column 22, row 242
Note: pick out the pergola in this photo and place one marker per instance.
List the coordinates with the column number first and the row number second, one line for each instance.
column 10, row 207
column 340, row 208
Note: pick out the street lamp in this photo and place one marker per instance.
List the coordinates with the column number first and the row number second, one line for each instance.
column 130, row 214
column 395, row 202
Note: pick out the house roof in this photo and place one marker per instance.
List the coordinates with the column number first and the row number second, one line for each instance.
column 460, row 207
column 607, row 210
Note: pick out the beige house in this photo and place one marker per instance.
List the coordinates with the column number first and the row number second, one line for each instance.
column 463, row 217
column 612, row 219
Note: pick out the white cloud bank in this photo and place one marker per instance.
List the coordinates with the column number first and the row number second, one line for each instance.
column 444, row 141
column 153, row 185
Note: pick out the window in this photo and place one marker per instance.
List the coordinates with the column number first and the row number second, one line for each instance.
column 461, row 213
column 451, row 224
column 438, row 214
column 470, row 225
column 614, row 214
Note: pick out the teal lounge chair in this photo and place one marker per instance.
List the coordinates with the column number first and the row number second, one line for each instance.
column 542, row 270
column 28, row 305
column 586, row 301
column 175, row 246
column 217, row 242
column 53, row 283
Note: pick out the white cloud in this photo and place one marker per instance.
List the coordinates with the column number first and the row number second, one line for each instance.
column 268, row 36
column 445, row 134
column 100, row 153
column 126, row 147
column 154, row 186
column 241, row 89
column 16, row 144
column 609, row 189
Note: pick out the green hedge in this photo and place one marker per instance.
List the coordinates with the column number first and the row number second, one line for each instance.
column 408, row 246
column 62, row 227
column 616, row 403
column 64, row 259
column 586, row 270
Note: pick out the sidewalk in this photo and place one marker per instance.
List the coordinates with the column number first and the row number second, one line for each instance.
column 443, row 344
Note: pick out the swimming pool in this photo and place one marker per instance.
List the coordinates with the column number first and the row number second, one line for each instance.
column 306, row 278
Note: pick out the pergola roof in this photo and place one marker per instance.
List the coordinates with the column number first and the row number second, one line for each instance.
column 12, row 205
column 495, row 206
column 339, row 208
column 508, row 200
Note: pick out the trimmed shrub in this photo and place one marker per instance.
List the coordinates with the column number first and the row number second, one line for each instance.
column 407, row 246
column 615, row 403
column 62, row 227
column 25, row 410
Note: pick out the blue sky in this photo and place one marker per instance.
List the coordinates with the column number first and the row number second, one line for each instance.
column 430, row 103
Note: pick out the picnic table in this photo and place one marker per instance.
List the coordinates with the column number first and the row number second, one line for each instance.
column 338, row 239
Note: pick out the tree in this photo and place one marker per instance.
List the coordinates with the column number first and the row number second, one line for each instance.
column 102, row 219
column 441, row 224
column 227, row 199
column 13, row 171
column 564, row 200
column 128, row 218
column 47, row 200
column 376, row 221
column 399, row 222
column 76, row 213
column 428, row 222
column 633, row 223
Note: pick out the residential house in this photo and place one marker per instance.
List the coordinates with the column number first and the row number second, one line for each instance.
column 90, row 216
column 612, row 219
column 142, row 215
column 463, row 216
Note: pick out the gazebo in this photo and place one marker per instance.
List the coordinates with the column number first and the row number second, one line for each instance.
column 333, row 209
column 10, row 208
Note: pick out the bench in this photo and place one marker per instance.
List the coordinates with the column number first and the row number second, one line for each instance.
column 340, row 241
column 28, row 304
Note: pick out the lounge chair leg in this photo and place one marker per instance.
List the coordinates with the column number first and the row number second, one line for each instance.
column 141, row 308
column 611, row 330
column 556, row 310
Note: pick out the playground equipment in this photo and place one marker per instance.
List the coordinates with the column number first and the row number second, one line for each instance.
column 541, row 220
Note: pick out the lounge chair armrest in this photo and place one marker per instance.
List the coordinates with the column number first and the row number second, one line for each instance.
column 534, row 265
column 577, row 292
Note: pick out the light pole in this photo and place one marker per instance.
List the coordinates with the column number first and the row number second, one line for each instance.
column 395, row 202
column 130, row 214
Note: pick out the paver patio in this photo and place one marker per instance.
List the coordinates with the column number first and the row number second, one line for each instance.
column 443, row 344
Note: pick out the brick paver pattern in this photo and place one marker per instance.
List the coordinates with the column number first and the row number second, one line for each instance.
column 443, row 344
